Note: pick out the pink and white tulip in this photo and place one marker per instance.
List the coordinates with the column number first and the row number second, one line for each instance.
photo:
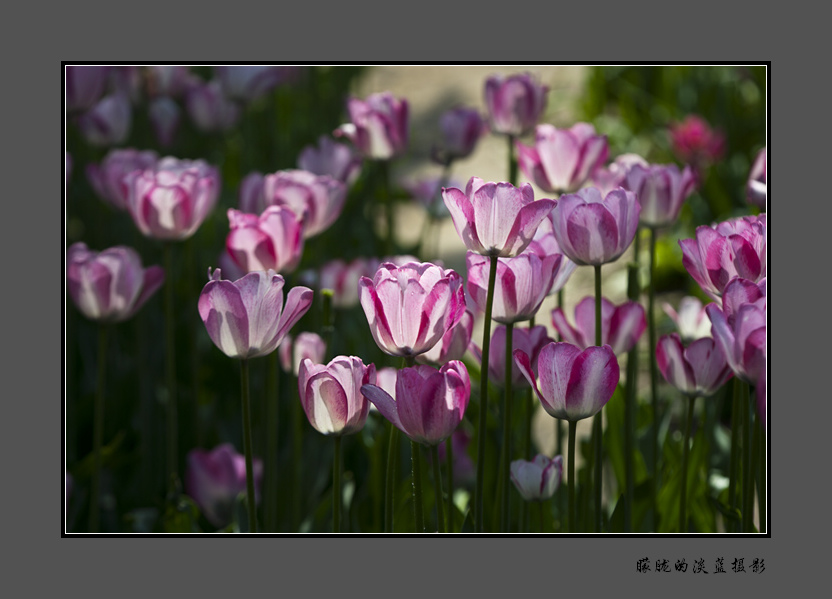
column 461, row 130
column 573, row 384
column 339, row 161
column 411, row 307
column 743, row 339
column 661, row 189
column 621, row 325
column 495, row 219
column 544, row 244
column 214, row 479
column 342, row 277
column 378, row 127
column 454, row 343
column 294, row 351
column 331, row 394
column 246, row 318
column 522, row 283
column 317, row 200
column 539, row 479
column 607, row 178
column 734, row 248
column 248, row 82
column 514, row 103
column 594, row 230
column 108, row 122
column 108, row 178
column 209, row 108
column 429, row 403
column 112, row 285
column 757, row 187
column 528, row 340
column 271, row 241
column 699, row 369
column 691, row 320
column 169, row 200
column 562, row 160
column 85, row 84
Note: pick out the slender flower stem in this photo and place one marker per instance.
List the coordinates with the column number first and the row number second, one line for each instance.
column 392, row 458
column 573, row 519
column 734, row 464
column 250, row 497
column 437, row 481
column 486, row 347
column 683, row 496
column 173, row 451
column 747, row 474
column 297, row 449
column 416, row 463
column 272, row 432
column 387, row 199
column 654, row 398
column 759, row 459
column 597, row 428
column 336, row 486
column 630, row 398
column 507, row 401
column 449, row 458
column 327, row 326
column 98, row 426
column 512, row 161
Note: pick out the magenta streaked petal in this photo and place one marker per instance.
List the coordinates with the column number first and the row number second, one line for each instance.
column 672, row 364
column 554, row 367
column 223, row 312
column 595, row 374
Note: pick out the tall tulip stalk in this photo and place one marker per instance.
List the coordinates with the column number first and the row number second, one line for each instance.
column 494, row 220
column 247, row 319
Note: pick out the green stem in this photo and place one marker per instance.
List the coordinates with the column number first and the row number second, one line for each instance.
column 250, row 497
column 272, row 432
column 747, row 473
column 172, row 428
column 437, row 481
column 327, row 327
column 416, row 463
column 507, row 401
column 683, row 496
column 486, row 347
column 573, row 520
column 392, row 458
column 387, row 199
column 98, row 426
column 734, row 464
column 759, row 460
column 597, row 427
column 449, row 458
column 654, row 398
column 297, row 449
column 512, row 161
column 336, row 486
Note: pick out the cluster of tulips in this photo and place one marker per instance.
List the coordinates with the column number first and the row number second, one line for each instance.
column 520, row 250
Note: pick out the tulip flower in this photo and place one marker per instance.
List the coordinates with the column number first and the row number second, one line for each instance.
column 428, row 193
column 544, row 244
column 108, row 178
column 523, row 282
column 294, row 351
column 529, row 340
column 514, row 103
column 109, row 286
column 660, row 189
column 539, row 479
column 742, row 339
column 739, row 292
column 454, row 343
column 317, row 200
column 165, row 115
column 757, row 188
column 246, row 318
column 695, row 142
column 84, row 86
column 246, row 83
column 729, row 249
column 339, row 161
column 562, row 160
column 607, row 178
column 171, row 80
column 461, row 130
column 271, row 241
column 108, row 122
column 411, row 307
column 495, row 219
column 209, row 108
column 331, row 394
column 697, row 370
column 170, row 200
column 573, row 384
column 215, row 478
column 691, row 320
column 343, row 277
column 378, row 127
column 595, row 230
column 621, row 325
column 429, row 403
